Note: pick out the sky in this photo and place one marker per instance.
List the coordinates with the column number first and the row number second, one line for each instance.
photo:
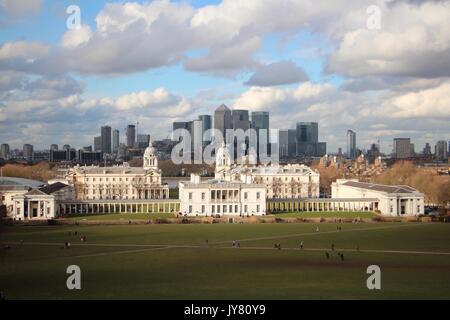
column 378, row 67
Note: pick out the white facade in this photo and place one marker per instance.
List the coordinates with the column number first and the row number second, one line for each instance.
column 292, row 181
column 120, row 182
column 219, row 197
column 41, row 203
column 392, row 200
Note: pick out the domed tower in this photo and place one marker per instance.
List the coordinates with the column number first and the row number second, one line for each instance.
column 150, row 159
column 223, row 161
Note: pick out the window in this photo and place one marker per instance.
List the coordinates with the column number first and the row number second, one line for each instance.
column 236, row 208
column 218, row 209
column 190, row 195
column 203, row 209
column 203, row 196
column 213, row 209
column 257, row 208
column 230, row 208
column 190, row 209
column 224, row 209
column 245, row 195
column 258, row 195
column 245, row 208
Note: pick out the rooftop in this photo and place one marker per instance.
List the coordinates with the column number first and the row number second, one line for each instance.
column 380, row 187
column 20, row 182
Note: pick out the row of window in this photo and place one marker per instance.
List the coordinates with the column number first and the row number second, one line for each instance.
column 223, row 197
column 140, row 180
column 224, row 209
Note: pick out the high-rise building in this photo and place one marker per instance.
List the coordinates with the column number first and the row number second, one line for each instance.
column 427, row 149
column 4, row 151
column 351, row 144
column 116, row 140
column 292, row 142
column 131, row 135
column 283, row 143
column 441, row 151
column 54, row 147
column 106, row 139
column 222, row 121
column 66, row 147
column 28, row 152
column 206, row 127
column 241, row 119
column 197, row 138
column 307, row 138
column 143, row 141
column 402, row 148
column 98, row 143
column 260, row 121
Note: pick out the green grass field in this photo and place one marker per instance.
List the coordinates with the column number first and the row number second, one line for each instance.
column 174, row 261
column 325, row 214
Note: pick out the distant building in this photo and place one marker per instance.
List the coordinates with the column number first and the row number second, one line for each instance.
column 54, row 147
column 206, row 127
column 441, row 151
column 261, row 121
column 308, row 140
column 222, row 121
column 143, row 141
column 62, row 155
column 115, row 140
column 4, row 151
column 106, row 139
column 283, row 143
column 351, row 144
column 89, row 156
column 427, row 150
column 98, row 143
column 131, row 135
column 402, row 148
column 292, row 142
column 28, row 152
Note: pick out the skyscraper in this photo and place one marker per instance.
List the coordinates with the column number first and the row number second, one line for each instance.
column 131, row 135
column 143, row 141
column 98, row 143
column 260, row 121
column 292, row 142
column 54, row 147
column 351, row 144
column 283, row 143
column 116, row 140
column 441, row 151
column 4, row 151
column 28, row 152
column 222, row 121
column 206, row 125
column 241, row 119
column 307, row 138
column 106, row 139
column 402, row 148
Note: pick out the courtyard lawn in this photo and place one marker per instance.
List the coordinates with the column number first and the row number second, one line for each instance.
column 119, row 216
column 175, row 261
column 325, row 214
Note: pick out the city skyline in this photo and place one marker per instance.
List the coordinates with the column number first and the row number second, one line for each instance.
column 58, row 86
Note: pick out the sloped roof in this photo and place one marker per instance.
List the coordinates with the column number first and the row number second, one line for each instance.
column 381, row 187
column 17, row 182
column 52, row 188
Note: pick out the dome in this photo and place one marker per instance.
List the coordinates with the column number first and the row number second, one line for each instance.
column 150, row 150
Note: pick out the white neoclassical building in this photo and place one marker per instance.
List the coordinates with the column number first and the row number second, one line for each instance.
column 120, row 182
column 41, row 203
column 292, row 181
column 220, row 197
column 392, row 200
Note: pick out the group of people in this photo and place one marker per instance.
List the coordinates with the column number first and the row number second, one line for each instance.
column 67, row 244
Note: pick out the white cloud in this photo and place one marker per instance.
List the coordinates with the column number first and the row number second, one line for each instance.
column 277, row 73
column 76, row 37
